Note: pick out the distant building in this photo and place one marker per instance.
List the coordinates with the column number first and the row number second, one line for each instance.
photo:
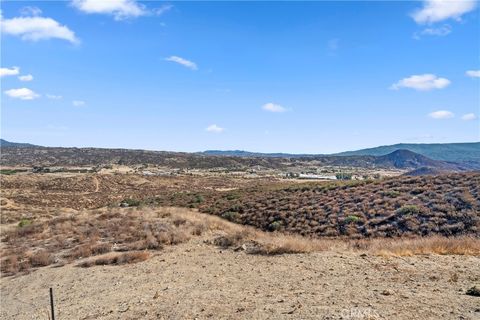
column 316, row 177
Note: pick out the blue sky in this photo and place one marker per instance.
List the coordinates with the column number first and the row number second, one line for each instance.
column 301, row 77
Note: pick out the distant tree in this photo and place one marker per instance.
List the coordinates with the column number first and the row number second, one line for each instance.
column 343, row 176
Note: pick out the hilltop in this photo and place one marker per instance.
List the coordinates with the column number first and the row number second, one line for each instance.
column 457, row 152
column 405, row 159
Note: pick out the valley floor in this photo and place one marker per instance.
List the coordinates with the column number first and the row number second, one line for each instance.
column 195, row 280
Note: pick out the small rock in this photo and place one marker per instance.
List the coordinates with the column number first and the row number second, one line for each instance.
column 473, row 291
column 387, row 292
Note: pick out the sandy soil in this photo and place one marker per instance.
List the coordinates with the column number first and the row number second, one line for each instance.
column 199, row 281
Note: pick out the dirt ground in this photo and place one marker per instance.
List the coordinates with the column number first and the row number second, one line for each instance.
column 199, row 281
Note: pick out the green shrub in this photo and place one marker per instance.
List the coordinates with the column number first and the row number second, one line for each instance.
column 7, row 171
column 199, row 198
column 232, row 196
column 130, row 203
column 275, row 225
column 231, row 215
column 409, row 209
column 351, row 219
column 24, row 223
column 343, row 176
column 391, row 193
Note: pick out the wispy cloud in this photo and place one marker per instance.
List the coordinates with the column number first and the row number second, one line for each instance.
column 184, row 62
column 30, row 11
column 27, row 77
column 37, row 28
column 214, row 128
column 13, row 71
column 423, row 82
column 53, row 96
column 78, row 103
column 469, row 117
column 441, row 114
column 440, row 10
column 163, row 9
column 272, row 107
column 473, row 73
column 119, row 9
column 436, row 32
column 22, row 94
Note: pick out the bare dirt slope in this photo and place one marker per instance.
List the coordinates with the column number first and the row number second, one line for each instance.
column 198, row 281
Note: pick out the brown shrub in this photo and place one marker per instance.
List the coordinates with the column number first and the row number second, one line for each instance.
column 41, row 258
column 90, row 249
column 10, row 265
column 387, row 202
column 117, row 259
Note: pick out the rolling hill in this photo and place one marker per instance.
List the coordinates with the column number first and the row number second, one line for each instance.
column 447, row 204
column 5, row 143
column 456, row 152
column 24, row 154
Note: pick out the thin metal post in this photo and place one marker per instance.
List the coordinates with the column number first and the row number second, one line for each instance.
column 51, row 304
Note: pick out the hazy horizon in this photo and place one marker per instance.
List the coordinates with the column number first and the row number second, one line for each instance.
column 250, row 151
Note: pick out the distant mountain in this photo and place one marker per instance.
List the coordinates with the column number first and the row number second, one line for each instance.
column 46, row 156
column 242, row 153
column 5, row 143
column 405, row 159
column 468, row 153
column 30, row 155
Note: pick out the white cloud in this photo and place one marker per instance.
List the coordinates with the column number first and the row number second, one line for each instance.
column 78, row 103
column 469, row 117
column 214, row 128
column 473, row 73
column 423, row 82
column 272, row 107
column 9, row 72
column 119, row 9
column 441, row 114
column 162, row 9
column 439, row 10
column 37, row 28
column 30, row 11
column 53, row 96
column 22, row 94
column 27, row 77
column 184, row 62
column 438, row 32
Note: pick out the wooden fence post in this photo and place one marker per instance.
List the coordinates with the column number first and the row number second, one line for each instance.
column 51, row 304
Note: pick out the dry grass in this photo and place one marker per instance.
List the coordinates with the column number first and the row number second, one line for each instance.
column 116, row 259
column 430, row 245
column 257, row 242
column 70, row 237
column 118, row 236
